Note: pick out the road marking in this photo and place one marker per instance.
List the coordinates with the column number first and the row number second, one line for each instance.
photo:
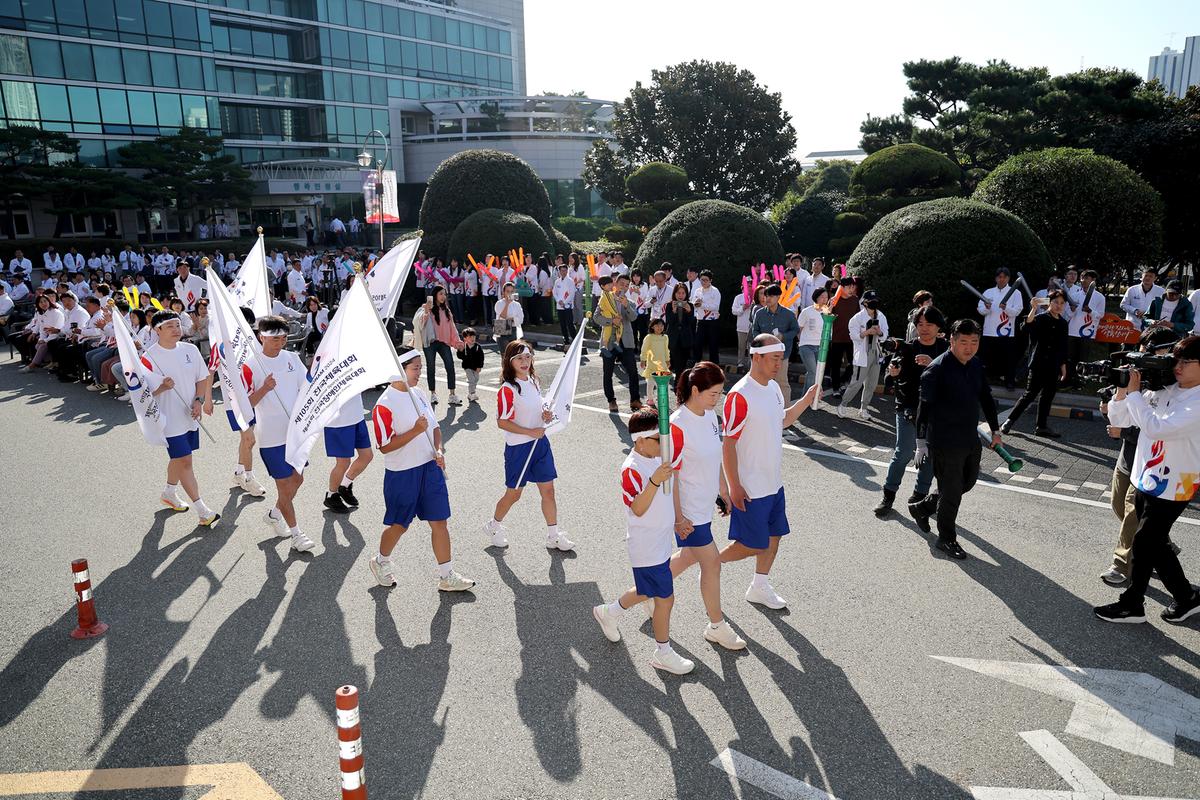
column 1020, row 479
column 1093, row 485
column 1085, row 784
column 228, row 781
column 1130, row 711
column 770, row 780
column 1066, row 487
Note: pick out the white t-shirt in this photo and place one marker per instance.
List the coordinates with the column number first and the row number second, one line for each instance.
column 186, row 367
column 660, row 298
column 649, row 538
column 1168, row 308
column 754, row 419
column 523, row 407
column 349, row 414
column 290, row 381
column 696, row 454
column 811, row 325
column 393, row 416
column 1194, row 299
column 516, row 314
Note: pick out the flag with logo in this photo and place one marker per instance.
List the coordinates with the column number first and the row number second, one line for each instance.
column 386, row 278
column 251, row 287
column 134, row 368
column 562, row 389
column 354, row 355
column 233, row 345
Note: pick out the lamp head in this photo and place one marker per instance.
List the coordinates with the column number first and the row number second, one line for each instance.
column 364, row 158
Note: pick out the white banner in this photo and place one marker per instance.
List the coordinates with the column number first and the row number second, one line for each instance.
column 145, row 404
column 391, row 208
column 562, row 389
column 233, row 345
column 251, row 287
column 387, row 277
column 354, row 355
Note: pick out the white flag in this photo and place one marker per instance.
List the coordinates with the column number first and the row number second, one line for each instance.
column 387, row 277
column 233, row 345
column 562, row 389
column 251, row 287
column 354, row 355
column 134, row 367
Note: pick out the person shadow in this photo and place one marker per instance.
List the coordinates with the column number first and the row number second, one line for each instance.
column 470, row 418
column 408, row 687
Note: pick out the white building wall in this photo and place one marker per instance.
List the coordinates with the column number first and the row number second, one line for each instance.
column 1177, row 70
column 551, row 158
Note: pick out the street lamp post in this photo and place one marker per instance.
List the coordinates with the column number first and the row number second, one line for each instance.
column 364, row 160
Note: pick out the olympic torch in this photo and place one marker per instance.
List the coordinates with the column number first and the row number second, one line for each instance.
column 823, row 354
column 662, row 384
column 985, row 435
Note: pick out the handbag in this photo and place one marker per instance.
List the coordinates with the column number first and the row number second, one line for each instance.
column 500, row 327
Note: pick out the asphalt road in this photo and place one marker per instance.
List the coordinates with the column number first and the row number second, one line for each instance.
column 225, row 646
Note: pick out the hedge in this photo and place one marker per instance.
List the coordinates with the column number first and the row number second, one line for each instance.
column 903, row 168
column 580, row 229
column 472, row 180
column 657, row 181
column 808, row 226
column 936, row 244
column 629, row 249
column 1088, row 209
column 560, row 241
column 496, row 230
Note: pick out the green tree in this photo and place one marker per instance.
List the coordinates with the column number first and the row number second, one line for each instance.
column 605, row 171
column 808, row 226
column 29, row 165
column 729, row 134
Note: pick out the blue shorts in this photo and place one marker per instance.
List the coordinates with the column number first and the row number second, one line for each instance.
column 654, row 581
column 763, row 518
column 418, row 492
column 233, row 425
column 276, row 462
column 700, row 536
column 541, row 466
column 342, row 442
column 184, row 444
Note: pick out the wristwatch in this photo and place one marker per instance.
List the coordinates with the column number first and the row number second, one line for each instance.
column 197, row 399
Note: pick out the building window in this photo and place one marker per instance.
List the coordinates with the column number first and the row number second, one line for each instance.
column 46, row 58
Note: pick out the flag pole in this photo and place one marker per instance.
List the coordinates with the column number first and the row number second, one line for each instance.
column 574, row 349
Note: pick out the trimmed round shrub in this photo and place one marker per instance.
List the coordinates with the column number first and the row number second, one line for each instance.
column 580, row 229
column 560, row 241
column 472, row 180
column 657, row 181
column 1088, row 209
column 834, row 177
column 646, row 216
column 629, row 249
column 713, row 234
column 936, row 244
column 808, row 226
column 903, row 169
column 851, row 224
column 496, row 230
column 622, row 233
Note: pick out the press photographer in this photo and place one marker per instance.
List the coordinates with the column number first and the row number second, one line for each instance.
column 1166, row 469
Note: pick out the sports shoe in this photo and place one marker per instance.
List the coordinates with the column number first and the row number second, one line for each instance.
column 765, row 596
column 842, row 412
column 952, row 549
column 453, row 400
column 1114, row 577
column 249, row 485
column 123, row 397
column 301, row 543
column 455, row 583
column 560, row 542
column 334, row 502
column 382, row 570
column 472, row 398
column 1115, row 612
column 433, row 398
column 210, row 522
column 725, row 636
column 171, row 500
column 25, row 368
column 607, row 623
column 347, row 493
column 96, row 387
column 865, row 415
column 672, row 662
column 1177, row 612
column 277, row 524
column 612, row 407
column 495, row 530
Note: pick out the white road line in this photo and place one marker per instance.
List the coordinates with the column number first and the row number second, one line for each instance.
column 882, row 465
column 770, row 780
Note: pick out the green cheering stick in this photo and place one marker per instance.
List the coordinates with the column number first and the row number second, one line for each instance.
column 822, row 354
column 662, row 383
column 1014, row 463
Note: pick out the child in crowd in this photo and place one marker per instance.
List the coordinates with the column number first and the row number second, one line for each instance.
column 655, row 349
column 471, row 356
column 650, row 539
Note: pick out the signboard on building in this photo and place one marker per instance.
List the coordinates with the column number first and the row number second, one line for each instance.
column 371, row 198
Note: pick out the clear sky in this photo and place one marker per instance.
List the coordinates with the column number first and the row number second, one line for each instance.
column 835, row 61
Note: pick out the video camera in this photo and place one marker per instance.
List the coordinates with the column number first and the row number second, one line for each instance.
column 1157, row 369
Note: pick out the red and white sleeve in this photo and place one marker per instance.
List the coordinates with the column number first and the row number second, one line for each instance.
column 736, row 411
column 631, row 485
column 676, row 447
column 381, row 418
column 506, row 407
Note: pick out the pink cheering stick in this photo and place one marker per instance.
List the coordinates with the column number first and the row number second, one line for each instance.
column 778, row 272
column 746, row 289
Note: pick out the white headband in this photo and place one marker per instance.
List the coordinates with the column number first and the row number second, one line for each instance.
column 777, row 347
column 644, row 434
column 524, row 351
column 409, row 356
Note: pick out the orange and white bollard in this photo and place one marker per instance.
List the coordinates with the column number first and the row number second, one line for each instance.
column 350, row 752
column 89, row 626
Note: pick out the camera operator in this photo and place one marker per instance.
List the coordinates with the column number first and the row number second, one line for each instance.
column 1048, row 362
column 1166, row 470
column 1123, row 491
column 908, row 363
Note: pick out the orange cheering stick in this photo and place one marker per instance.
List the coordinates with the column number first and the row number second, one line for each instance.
column 591, row 264
column 791, row 292
column 521, row 253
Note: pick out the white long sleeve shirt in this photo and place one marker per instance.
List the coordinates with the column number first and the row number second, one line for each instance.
column 1083, row 322
column 708, row 303
column 1136, row 300
column 1166, row 463
column 866, row 347
column 1000, row 321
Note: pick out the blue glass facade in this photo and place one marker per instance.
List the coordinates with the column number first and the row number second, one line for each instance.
column 279, row 79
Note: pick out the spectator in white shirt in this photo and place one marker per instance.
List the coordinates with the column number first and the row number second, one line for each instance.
column 297, row 286
column 1194, row 299
column 707, row 304
column 660, row 292
column 231, row 266
column 867, row 329
column 564, row 302
column 51, row 260
column 74, row 261
column 1138, row 297
column 6, row 304
column 94, row 263
column 20, row 265
column 50, row 328
column 639, row 297
column 602, row 269
column 20, row 289
column 742, row 311
column 108, row 261
column 694, row 286
column 188, row 287
column 337, row 229
column 316, row 321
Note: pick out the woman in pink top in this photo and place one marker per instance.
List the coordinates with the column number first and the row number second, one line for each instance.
column 445, row 337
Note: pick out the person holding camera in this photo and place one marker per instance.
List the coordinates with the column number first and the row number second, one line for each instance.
column 907, row 365
column 867, row 328
column 1166, row 471
column 1048, row 334
column 954, row 389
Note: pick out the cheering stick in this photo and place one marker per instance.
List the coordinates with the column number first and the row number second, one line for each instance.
column 1014, row 464
column 974, row 291
column 823, row 354
column 790, row 292
column 1024, row 286
column 662, row 383
column 1008, row 295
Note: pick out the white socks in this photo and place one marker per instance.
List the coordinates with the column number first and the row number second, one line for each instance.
column 294, row 531
column 714, row 625
column 760, row 581
column 171, row 489
column 201, row 508
column 552, row 532
column 275, row 513
column 444, row 570
column 495, row 523
column 347, row 481
column 238, row 471
column 382, row 559
column 662, row 648
column 614, row 609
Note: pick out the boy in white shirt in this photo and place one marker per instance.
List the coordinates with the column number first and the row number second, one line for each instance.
column 707, row 308
column 564, row 301
column 1138, row 297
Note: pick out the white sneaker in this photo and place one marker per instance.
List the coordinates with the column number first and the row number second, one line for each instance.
column 765, row 597
column 26, row 368
column 433, row 398
column 725, row 636
column 865, row 415
column 842, row 412
column 455, row 583
column 453, row 400
column 672, row 662
column 472, row 398
column 1114, row 577
column 496, row 531
column 301, row 543
column 210, row 522
column 96, row 387
column 277, row 525
column 560, row 542
column 382, row 570
column 172, row 501
column 249, row 485
column 124, row 397
column 607, row 623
